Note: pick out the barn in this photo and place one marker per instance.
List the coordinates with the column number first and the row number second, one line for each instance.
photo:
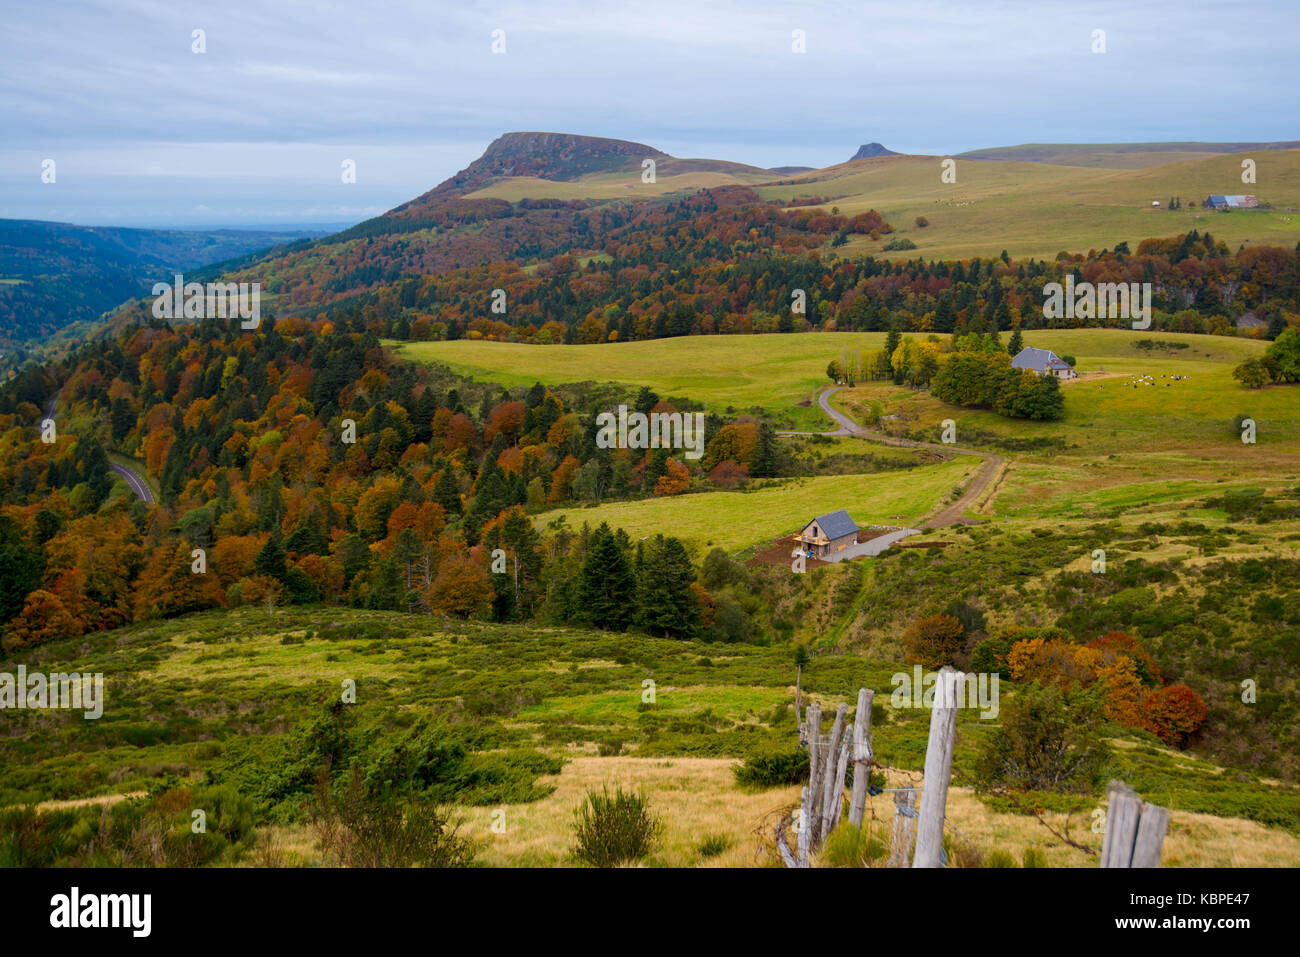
column 827, row 534
column 1217, row 201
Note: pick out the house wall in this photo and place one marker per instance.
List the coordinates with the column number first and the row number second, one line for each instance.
column 836, row 544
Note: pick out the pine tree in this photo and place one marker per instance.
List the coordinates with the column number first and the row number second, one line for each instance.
column 606, row 591
column 665, row 604
column 447, row 492
column 764, row 461
column 1017, row 342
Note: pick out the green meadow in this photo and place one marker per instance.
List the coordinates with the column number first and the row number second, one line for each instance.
column 737, row 520
column 544, row 714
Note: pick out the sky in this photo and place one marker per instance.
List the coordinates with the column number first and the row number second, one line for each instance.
column 144, row 131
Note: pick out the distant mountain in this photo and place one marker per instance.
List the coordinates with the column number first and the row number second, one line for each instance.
column 871, row 150
column 553, row 156
column 55, row 274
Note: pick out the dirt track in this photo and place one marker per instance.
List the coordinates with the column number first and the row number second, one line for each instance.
column 954, row 513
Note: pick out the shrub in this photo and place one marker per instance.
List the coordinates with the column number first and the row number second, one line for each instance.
column 714, row 844
column 1048, row 741
column 1174, row 713
column 990, row 655
column 921, row 222
column 772, row 767
column 1000, row 858
column 1033, row 857
column 934, row 640
column 900, row 243
column 370, row 827
column 614, row 828
column 849, row 846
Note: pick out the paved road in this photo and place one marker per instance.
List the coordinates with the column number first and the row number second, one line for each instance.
column 132, row 478
column 135, row 481
column 954, row 513
column 872, row 547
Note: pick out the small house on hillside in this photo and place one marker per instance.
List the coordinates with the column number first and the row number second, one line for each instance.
column 827, row 534
column 1043, row 362
column 1216, row 201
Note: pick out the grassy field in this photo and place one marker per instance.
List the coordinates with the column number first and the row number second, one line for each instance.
column 191, row 696
column 1038, row 209
column 1115, row 434
column 735, row 520
column 771, row 372
column 1067, row 198
column 1119, row 442
column 1112, row 155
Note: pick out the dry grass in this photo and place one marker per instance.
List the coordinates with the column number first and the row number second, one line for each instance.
column 697, row 798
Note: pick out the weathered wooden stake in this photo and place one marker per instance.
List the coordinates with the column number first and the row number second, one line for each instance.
column 1135, row 830
column 862, row 756
column 938, row 770
column 841, row 769
column 803, row 836
column 900, row 853
column 810, row 798
column 832, row 787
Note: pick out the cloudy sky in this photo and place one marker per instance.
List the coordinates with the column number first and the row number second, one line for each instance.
column 145, row 131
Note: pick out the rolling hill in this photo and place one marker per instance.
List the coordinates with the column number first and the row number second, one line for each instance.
column 53, row 275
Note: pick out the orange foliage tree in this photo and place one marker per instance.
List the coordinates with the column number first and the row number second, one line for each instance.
column 675, row 480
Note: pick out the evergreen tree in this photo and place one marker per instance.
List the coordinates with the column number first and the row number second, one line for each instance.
column 606, row 592
column 447, row 492
column 1017, row 342
column 665, row 604
column 764, row 462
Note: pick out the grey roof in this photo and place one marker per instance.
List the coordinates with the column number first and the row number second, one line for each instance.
column 1037, row 359
column 836, row 524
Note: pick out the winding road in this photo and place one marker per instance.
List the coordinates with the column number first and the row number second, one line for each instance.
column 954, row 514
column 135, row 482
column 133, row 479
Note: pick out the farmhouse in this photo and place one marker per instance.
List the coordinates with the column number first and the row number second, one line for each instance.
column 827, row 534
column 1043, row 362
column 1216, row 201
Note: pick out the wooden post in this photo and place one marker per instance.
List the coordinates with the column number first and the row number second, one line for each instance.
column 829, row 782
column 862, row 756
column 1135, row 830
column 938, row 770
column 811, row 796
column 900, row 848
column 841, row 769
column 1123, row 809
column 1151, row 836
column 804, row 835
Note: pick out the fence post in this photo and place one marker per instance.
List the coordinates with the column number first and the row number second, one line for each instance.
column 830, row 764
column 900, row 848
column 938, row 770
column 841, row 768
column 1135, row 830
column 810, row 795
column 862, row 756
